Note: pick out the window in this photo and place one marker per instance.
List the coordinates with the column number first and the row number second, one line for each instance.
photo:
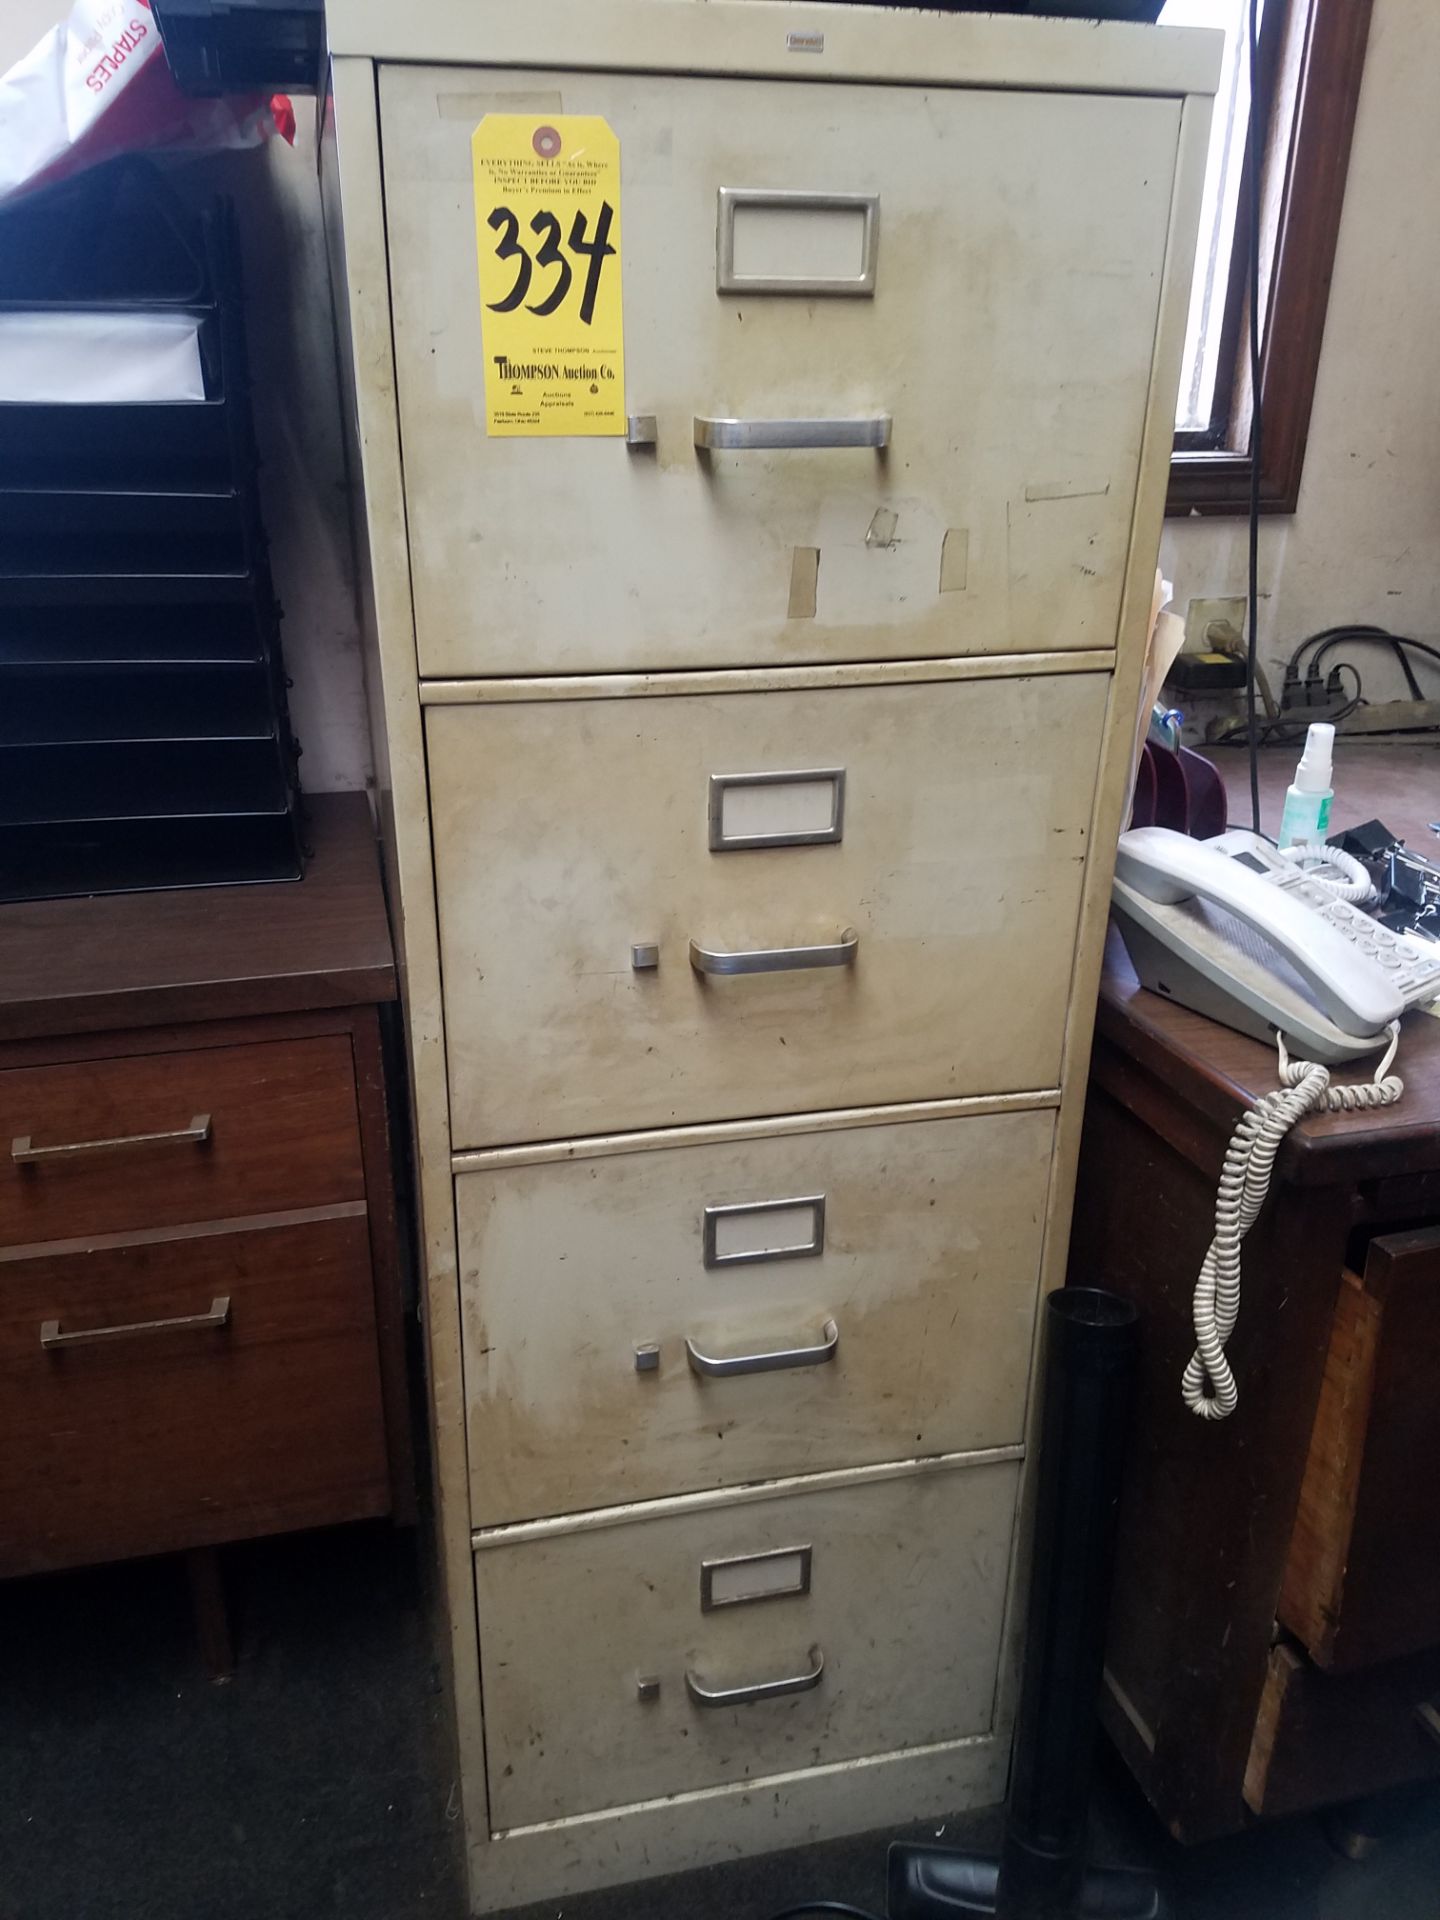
column 1311, row 56
column 1196, row 405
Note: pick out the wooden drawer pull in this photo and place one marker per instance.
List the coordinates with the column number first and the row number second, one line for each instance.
column 776, row 1360
column 776, row 959
column 196, row 1134
column 51, row 1337
column 704, row 1696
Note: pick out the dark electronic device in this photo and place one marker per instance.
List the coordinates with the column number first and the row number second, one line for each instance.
column 240, row 46
column 1408, row 884
column 1206, row 672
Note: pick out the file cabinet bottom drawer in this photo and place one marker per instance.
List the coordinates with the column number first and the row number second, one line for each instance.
column 729, row 1639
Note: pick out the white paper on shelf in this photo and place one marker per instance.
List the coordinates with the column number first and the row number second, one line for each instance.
column 90, row 357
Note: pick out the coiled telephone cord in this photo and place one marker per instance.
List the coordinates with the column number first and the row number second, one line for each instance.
column 1208, row 1384
column 1340, row 873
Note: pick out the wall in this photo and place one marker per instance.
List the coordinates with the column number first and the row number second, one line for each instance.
column 1364, row 545
column 1365, row 542
column 302, row 478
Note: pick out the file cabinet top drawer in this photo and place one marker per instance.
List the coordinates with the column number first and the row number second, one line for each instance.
column 634, row 933
column 713, row 1644
column 687, row 1317
column 976, row 278
column 156, row 1140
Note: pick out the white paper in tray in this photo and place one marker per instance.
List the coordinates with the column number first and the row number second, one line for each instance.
column 100, row 357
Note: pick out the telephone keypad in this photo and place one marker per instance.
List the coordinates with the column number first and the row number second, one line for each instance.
column 1416, row 975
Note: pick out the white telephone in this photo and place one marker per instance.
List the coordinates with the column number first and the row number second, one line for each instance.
column 1255, row 938
column 1239, row 930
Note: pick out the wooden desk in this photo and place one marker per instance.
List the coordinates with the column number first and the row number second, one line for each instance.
column 200, row 1309
column 1271, row 1564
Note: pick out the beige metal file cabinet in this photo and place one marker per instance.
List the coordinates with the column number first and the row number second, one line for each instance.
column 749, row 777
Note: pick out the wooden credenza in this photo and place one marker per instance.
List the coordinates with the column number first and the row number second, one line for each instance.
column 1275, row 1632
column 748, row 795
column 200, row 1292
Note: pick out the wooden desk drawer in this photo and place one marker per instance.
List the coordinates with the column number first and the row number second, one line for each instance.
column 1326, row 1737
column 897, row 1584
column 906, row 1257
column 944, row 893
column 261, row 1414
column 1362, row 1583
column 1008, row 340
column 282, row 1133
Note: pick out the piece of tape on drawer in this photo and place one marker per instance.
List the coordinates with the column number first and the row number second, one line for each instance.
column 1084, row 487
column 955, row 560
column 804, row 583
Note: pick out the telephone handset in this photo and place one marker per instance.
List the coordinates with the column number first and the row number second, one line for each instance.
column 1255, row 938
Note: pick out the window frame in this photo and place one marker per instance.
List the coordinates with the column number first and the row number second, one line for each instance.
column 1306, row 159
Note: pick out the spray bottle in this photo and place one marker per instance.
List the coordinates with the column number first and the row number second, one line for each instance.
column 1307, row 799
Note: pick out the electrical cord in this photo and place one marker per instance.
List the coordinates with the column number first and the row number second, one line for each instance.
column 1360, row 633
column 1252, row 732
column 1348, row 666
column 1324, row 643
column 1399, row 644
column 1208, row 1384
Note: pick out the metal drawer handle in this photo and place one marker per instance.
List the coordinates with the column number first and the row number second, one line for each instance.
column 197, row 1133
column 51, row 1337
column 717, row 1368
column 704, row 1696
column 745, row 436
column 776, row 959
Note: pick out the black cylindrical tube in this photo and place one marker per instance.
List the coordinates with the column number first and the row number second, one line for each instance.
column 1088, row 1374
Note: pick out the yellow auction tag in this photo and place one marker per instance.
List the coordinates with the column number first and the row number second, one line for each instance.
column 547, row 224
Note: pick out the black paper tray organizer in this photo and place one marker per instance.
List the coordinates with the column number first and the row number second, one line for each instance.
column 144, row 732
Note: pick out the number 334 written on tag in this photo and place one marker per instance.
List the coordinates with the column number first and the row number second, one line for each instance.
column 547, row 229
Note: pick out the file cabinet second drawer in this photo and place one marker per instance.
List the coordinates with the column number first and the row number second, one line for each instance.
column 687, row 1317
column 695, row 907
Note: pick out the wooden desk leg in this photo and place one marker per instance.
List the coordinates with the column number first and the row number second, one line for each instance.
column 213, row 1628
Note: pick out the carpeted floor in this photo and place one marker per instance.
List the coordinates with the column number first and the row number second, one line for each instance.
column 314, row 1786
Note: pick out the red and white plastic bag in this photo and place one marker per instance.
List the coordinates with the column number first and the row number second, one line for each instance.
column 97, row 85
